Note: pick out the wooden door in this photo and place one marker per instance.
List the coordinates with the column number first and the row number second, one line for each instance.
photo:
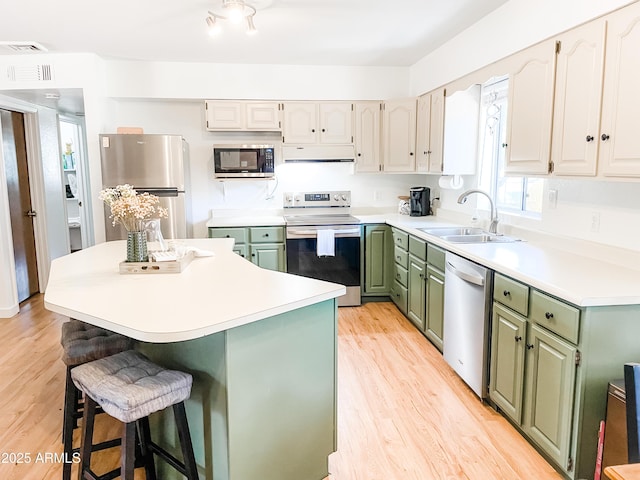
column 530, row 110
column 399, row 136
column 619, row 139
column 550, row 373
column 436, row 132
column 417, row 291
column 423, row 129
column 377, row 262
column 508, row 339
column 434, row 329
column 336, row 123
column 300, row 123
column 20, row 210
column 576, row 121
column 367, row 136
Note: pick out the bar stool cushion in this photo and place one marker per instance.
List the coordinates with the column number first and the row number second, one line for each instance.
column 128, row 386
column 83, row 342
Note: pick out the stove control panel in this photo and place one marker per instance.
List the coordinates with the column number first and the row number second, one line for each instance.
column 340, row 198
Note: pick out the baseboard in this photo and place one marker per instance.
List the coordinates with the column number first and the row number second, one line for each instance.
column 9, row 311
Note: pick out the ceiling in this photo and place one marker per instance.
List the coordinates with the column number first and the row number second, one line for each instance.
column 291, row 32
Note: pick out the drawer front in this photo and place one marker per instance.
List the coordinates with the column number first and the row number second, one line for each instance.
column 400, row 238
column 555, row 315
column 514, row 295
column 266, row 234
column 401, row 257
column 238, row 234
column 401, row 274
column 435, row 256
column 399, row 296
column 418, row 248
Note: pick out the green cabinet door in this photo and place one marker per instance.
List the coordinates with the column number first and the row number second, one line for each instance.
column 417, row 291
column 434, row 321
column 377, row 259
column 268, row 255
column 508, row 340
column 550, row 373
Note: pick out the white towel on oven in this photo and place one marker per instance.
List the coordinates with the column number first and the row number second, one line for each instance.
column 326, row 243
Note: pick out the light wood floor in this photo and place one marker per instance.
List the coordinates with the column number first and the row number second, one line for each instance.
column 402, row 412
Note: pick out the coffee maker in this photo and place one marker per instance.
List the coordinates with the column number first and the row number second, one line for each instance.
column 420, row 201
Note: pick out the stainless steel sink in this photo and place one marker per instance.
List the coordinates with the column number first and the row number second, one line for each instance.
column 467, row 235
column 479, row 238
column 448, row 231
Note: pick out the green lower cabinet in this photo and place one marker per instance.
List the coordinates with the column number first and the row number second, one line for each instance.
column 549, row 400
column 268, row 255
column 264, row 246
column 417, row 292
column 399, row 296
column 377, row 248
column 532, row 380
column 508, row 338
column 434, row 318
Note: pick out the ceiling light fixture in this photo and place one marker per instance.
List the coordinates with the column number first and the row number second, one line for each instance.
column 236, row 11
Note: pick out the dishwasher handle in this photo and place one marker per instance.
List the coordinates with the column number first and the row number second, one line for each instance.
column 466, row 276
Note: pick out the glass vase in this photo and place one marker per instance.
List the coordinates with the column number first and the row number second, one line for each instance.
column 137, row 247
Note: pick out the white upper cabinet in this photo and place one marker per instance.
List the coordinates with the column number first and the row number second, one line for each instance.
column 531, row 86
column 263, row 116
column 430, row 132
column 436, row 131
column 318, row 123
column 576, row 121
column 619, row 136
column 461, row 123
column 423, row 130
column 367, row 136
column 399, row 136
column 231, row 115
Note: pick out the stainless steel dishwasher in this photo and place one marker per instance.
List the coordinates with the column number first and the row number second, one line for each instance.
column 467, row 306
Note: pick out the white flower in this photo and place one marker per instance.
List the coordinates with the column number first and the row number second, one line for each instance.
column 129, row 208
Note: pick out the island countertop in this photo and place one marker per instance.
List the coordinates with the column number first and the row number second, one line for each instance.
column 212, row 294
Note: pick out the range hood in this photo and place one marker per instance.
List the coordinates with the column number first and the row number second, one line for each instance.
column 318, row 153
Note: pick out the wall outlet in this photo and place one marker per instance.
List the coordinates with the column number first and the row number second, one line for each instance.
column 553, row 198
column 595, row 222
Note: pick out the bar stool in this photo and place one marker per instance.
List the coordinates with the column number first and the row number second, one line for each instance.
column 83, row 343
column 129, row 387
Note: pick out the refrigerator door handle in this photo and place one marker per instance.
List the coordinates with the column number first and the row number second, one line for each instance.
column 160, row 192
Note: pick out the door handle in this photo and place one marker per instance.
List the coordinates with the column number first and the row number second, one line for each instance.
column 30, row 213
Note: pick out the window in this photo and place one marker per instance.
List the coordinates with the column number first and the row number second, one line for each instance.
column 511, row 194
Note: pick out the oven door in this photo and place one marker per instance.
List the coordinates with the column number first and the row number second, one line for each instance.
column 342, row 268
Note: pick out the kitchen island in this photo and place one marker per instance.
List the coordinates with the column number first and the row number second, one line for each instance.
column 261, row 346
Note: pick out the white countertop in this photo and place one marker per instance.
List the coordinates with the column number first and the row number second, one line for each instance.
column 578, row 279
column 211, row 295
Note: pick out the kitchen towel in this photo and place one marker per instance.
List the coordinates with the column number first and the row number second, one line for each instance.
column 326, row 243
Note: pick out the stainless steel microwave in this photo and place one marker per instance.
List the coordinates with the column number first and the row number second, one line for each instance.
column 239, row 161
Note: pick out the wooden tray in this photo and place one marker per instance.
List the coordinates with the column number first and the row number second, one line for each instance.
column 157, row 267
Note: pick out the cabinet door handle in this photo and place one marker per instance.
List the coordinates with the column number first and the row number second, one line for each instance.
column 604, row 137
column 505, row 145
column 398, row 257
column 589, row 138
column 411, row 154
column 313, row 130
column 529, row 346
column 323, row 130
column 518, row 338
column 548, row 315
column 422, row 275
column 266, row 235
column 506, row 293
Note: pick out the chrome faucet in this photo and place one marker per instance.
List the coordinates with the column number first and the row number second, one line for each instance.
column 493, row 226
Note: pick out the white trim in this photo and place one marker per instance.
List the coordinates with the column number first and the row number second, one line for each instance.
column 36, row 186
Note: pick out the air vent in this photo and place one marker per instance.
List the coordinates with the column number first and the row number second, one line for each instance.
column 29, row 73
column 22, row 47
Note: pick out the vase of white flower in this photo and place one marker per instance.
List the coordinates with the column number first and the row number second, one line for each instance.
column 131, row 209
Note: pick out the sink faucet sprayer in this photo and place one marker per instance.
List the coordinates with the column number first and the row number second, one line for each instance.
column 493, row 226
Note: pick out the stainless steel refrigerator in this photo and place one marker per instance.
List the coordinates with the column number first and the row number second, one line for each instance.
column 157, row 164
